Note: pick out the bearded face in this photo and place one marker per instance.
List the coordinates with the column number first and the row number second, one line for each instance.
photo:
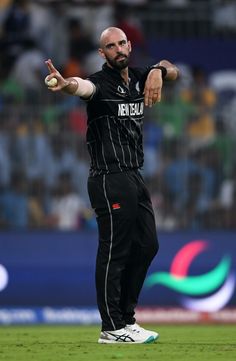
column 115, row 48
column 120, row 62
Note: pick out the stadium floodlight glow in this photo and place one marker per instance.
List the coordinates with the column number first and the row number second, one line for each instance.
column 3, row 277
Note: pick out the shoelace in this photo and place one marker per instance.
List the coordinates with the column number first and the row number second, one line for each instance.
column 136, row 330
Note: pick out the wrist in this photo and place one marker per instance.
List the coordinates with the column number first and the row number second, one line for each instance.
column 161, row 68
column 70, row 86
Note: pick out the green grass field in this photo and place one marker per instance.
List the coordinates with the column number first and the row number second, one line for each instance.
column 79, row 343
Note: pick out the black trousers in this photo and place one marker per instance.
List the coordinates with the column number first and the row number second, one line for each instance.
column 127, row 244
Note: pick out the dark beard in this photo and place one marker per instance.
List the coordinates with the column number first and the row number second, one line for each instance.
column 119, row 65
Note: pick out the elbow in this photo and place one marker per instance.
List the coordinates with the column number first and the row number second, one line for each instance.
column 175, row 73
column 172, row 70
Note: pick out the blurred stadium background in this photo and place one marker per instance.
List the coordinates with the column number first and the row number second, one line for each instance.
column 48, row 235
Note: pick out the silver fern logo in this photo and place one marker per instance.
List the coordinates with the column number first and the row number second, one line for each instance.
column 137, row 87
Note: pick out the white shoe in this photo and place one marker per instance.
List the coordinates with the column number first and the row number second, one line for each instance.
column 126, row 336
column 135, row 328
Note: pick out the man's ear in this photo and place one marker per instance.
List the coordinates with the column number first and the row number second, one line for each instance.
column 101, row 53
column 129, row 46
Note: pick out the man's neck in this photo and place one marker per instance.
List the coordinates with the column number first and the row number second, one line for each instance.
column 125, row 75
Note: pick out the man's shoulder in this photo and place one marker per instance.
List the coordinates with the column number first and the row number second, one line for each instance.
column 96, row 76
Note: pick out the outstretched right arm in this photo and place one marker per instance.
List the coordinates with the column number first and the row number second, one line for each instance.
column 73, row 86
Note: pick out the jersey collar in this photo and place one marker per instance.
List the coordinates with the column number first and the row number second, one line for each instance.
column 111, row 71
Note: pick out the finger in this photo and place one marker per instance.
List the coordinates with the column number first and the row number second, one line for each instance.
column 156, row 97
column 150, row 101
column 50, row 66
column 157, row 94
column 151, row 98
column 148, row 94
column 54, row 88
column 49, row 77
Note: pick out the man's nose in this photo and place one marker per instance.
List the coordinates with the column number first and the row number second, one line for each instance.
column 119, row 48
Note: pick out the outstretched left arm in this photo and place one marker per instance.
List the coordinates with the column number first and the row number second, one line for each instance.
column 153, row 85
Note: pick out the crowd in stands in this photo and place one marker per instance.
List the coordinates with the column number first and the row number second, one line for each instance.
column 189, row 138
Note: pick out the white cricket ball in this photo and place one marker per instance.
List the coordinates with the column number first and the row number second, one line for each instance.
column 51, row 83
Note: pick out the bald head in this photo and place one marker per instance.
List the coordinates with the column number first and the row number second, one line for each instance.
column 111, row 31
column 115, row 48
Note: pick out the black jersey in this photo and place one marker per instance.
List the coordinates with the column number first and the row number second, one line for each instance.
column 115, row 121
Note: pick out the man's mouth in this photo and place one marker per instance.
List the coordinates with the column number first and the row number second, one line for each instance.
column 121, row 57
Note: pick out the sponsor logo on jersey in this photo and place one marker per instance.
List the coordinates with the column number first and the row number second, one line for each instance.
column 121, row 90
column 116, row 206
